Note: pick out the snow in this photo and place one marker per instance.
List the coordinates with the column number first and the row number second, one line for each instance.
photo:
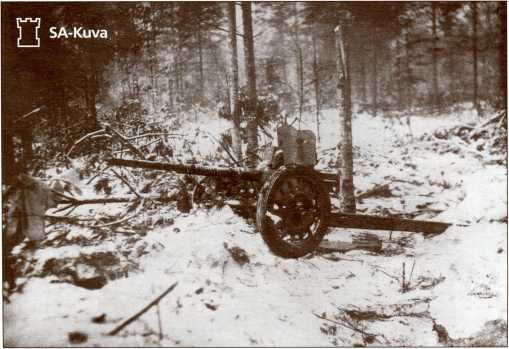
column 476, row 287
column 485, row 197
column 459, row 278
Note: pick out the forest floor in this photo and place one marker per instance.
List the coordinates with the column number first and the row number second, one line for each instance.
column 455, row 289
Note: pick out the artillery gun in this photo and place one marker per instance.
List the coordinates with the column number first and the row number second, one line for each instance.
column 293, row 209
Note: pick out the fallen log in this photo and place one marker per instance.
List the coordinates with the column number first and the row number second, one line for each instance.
column 381, row 190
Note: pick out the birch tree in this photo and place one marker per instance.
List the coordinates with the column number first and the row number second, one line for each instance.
column 232, row 20
column 345, row 157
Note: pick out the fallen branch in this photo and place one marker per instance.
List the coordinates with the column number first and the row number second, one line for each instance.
column 380, row 190
column 69, row 220
column 71, row 202
column 124, row 219
column 411, row 272
column 154, row 135
column 415, row 307
column 99, row 172
column 484, row 125
column 151, row 142
column 350, row 326
column 110, row 200
column 141, row 312
column 159, row 322
column 126, row 183
column 101, row 136
column 235, row 161
column 88, row 135
column 58, row 193
column 413, row 182
column 377, row 268
column 124, row 140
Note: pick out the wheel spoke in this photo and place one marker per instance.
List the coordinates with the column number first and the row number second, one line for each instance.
column 295, row 203
column 294, row 208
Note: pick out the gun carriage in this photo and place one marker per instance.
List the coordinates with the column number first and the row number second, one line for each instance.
column 293, row 208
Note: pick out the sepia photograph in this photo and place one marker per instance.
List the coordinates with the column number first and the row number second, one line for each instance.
column 254, row 174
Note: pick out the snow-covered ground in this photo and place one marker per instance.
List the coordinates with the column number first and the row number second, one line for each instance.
column 456, row 281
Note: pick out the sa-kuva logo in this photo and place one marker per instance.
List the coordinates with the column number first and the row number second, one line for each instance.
column 28, row 32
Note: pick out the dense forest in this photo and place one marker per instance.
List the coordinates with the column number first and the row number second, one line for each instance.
column 267, row 59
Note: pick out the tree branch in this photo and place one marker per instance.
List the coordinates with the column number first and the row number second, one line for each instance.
column 126, row 183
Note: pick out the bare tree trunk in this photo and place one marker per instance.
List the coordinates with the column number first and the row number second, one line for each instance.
column 200, row 56
column 345, row 158
column 300, row 71
column 363, row 76
column 178, row 82
column 408, row 86
column 475, row 101
column 26, row 143
column 375, row 74
column 299, row 58
column 252, row 125
column 152, row 79
column 8, row 158
column 317, row 86
column 91, row 91
column 153, row 59
column 399, row 75
column 502, row 55
column 64, row 116
column 434, row 59
column 236, row 140
column 170, row 92
column 178, row 66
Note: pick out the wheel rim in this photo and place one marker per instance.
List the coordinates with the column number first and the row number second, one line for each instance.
column 294, row 210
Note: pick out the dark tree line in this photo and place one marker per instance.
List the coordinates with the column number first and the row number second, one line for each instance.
column 169, row 57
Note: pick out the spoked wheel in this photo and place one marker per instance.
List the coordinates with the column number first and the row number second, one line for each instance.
column 292, row 210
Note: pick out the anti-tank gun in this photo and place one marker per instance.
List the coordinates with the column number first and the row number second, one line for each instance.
column 292, row 199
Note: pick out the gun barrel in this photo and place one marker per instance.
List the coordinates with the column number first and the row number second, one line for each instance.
column 250, row 175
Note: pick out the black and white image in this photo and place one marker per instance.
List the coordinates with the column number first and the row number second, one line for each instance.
column 246, row 174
